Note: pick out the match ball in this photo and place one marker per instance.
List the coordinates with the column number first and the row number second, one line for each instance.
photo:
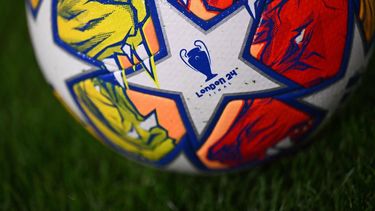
column 202, row 85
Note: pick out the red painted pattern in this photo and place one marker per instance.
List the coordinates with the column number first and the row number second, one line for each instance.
column 210, row 4
column 261, row 124
column 303, row 40
column 220, row 4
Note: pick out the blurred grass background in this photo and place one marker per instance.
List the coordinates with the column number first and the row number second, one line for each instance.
column 49, row 162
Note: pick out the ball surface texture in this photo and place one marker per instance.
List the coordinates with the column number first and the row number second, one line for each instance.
column 202, row 85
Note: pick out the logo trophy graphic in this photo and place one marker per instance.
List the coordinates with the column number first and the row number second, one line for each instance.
column 198, row 59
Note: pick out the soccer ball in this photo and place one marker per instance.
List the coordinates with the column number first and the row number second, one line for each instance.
column 202, row 85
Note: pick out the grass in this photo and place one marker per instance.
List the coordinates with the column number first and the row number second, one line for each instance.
column 49, row 162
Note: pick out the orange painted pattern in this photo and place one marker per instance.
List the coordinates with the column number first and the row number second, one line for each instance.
column 207, row 9
column 230, row 114
column 197, row 7
column 152, row 41
column 35, row 3
column 166, row 110
column 247, row 129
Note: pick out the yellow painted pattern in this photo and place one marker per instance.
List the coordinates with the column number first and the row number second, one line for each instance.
column 101, row 30
column 96, row 25
column 110, row 110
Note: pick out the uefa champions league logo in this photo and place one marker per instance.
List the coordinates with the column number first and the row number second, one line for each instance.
column 198, row 59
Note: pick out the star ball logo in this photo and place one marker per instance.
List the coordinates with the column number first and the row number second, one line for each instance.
column 199, row 60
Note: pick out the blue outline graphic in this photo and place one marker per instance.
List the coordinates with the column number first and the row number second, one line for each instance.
column 191, row 141
column 34, row 11
column 206, row 25
column 163, row 52
column 290, row 94
column 300, row 89
column 176, row 98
